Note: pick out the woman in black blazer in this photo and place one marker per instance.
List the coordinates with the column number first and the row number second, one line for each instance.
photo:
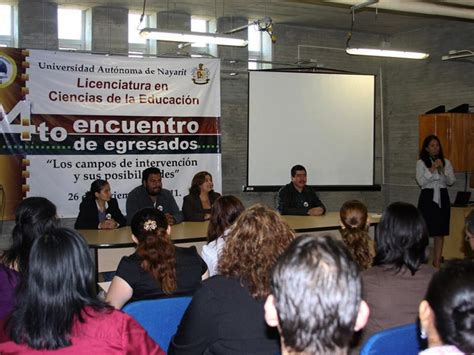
column 197, row 205
column 99, row 210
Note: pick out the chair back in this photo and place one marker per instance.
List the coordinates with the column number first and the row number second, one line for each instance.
column 160, row 317
column 403, row 339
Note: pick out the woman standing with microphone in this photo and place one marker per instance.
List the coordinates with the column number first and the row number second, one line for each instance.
column 434, row 173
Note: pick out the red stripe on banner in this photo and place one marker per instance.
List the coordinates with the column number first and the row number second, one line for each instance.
column 100, row 125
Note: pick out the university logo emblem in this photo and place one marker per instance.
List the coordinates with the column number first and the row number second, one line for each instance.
column 200, row 75
column 7, row 70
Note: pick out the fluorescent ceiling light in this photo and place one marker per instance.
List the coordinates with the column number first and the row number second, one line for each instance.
column 386, row 53
column 454, row 54
column 192, row 37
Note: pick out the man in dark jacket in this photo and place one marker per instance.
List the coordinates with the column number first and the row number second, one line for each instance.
column 152, row 194
column 296, row 198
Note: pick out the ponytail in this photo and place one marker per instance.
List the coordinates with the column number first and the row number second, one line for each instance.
column 159, row 258
column 357, row 241
column 96, row 186
column 354, row 217
column 155, row 249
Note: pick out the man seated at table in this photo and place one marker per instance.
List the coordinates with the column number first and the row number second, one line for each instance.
column 296, row 198
column 151, row 194
column 315, row 298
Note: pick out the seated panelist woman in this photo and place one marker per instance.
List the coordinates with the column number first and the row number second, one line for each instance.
column 99, row 210
column 197, row 205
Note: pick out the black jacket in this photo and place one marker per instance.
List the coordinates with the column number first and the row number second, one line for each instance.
column 89, row 215
column 293, row 202
column 192, row 206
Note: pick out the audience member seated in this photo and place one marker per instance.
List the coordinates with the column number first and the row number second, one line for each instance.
column 224, row 212
column 226, row 314
column 315, row 298
column 197, row 205
column 34, row 216
column 99, row 210
column 296, row 198
column 150, row 194
column 469, row 230
column 354, row 231
column 57, row 308
column 447, row 312
column 157, row 268
column 397, row 282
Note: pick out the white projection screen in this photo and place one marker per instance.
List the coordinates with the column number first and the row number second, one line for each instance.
column 324, row 121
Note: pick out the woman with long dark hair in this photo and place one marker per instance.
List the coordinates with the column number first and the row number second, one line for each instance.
column 99, row 210
column 197, row 205
column 434, row 173
column 157, row 268
column 397, row 280
column 57, row 308
column 224, row 212
column 354, row 231
column 33, row 217
column 447, row 312
column 226, row 315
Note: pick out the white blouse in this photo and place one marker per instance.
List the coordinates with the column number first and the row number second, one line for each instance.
column 441, row 350
column 436, row 180
column 212, row 251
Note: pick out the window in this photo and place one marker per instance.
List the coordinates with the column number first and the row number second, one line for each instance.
column 260, row 48
column 71, row 29
column 7, row 26
column 206, row 26
column 137, row 45
column 199, row 25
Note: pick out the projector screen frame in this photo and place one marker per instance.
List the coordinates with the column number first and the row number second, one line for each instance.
column 273, row 188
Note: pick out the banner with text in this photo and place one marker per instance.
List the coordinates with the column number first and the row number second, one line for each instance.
column 67, row 119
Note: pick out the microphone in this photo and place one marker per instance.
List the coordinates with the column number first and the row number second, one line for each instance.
column 439, row 168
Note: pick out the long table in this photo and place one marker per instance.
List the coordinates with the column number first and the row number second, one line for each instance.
column 191, row 232
column 185, row 232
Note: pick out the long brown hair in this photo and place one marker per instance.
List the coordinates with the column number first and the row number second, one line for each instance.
column 155, row 249
column 224, row 212
column 354, row 234
column 259, row 236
